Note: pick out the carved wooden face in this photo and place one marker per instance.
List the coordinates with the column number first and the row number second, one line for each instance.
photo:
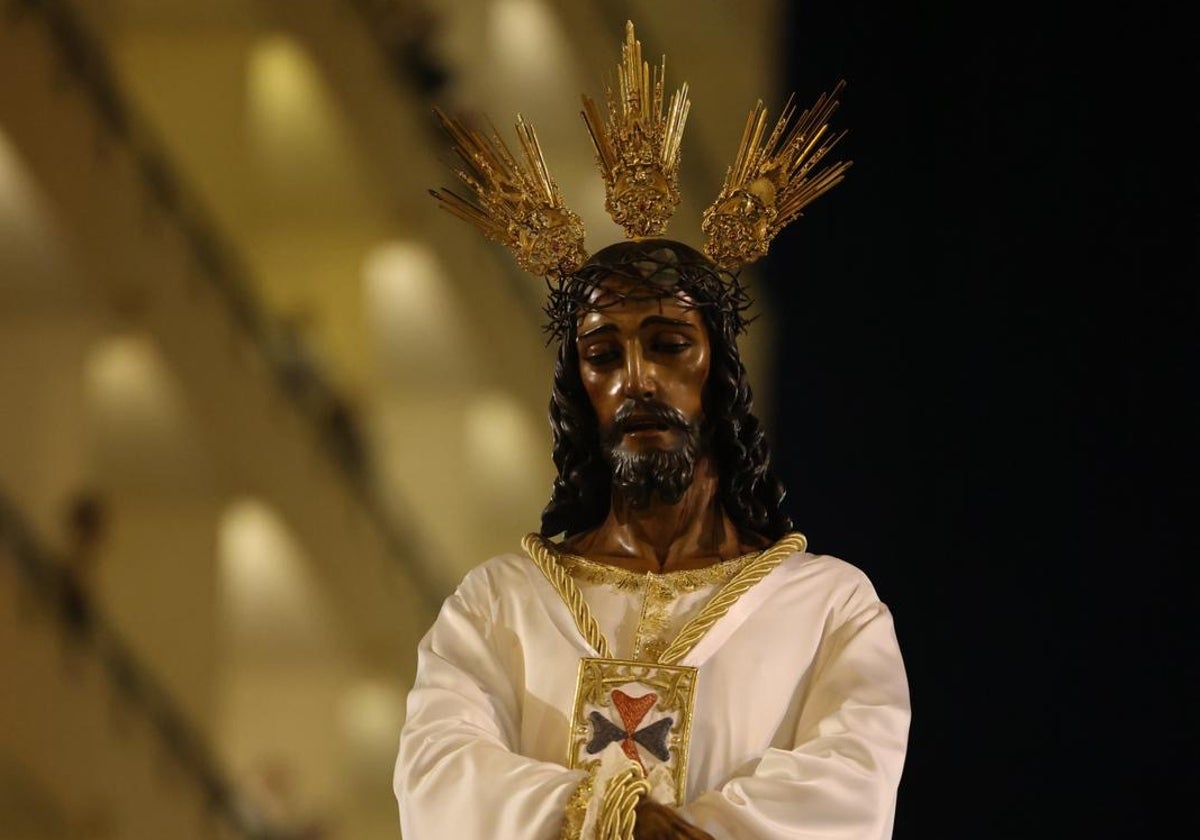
column 644, row 361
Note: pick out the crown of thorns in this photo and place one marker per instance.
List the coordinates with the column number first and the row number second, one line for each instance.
column 650, row 268
column 515, row 202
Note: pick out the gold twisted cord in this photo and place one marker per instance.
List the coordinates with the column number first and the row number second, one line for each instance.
column 545, row 558
column 618, row 807
column 721, row 603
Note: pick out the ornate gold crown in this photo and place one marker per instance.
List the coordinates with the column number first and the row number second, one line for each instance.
column 518, row 204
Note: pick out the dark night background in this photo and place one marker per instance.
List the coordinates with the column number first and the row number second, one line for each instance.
column 987, row 395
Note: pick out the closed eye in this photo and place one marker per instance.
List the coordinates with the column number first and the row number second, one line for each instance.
column 670, row 341
column 601, row 355
column 671, row 346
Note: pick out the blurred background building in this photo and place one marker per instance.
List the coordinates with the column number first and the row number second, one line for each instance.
column 261, row 403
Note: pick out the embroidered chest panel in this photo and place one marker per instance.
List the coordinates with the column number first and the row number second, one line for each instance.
column 641, row 708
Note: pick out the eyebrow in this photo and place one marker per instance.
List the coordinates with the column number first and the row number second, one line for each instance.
column 652, row 319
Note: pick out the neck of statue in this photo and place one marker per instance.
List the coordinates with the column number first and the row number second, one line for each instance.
column 659, row 537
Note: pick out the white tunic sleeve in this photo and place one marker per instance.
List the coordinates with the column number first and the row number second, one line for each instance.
column 839, row 780
column 457, row 773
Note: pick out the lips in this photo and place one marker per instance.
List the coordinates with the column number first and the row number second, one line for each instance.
column 644, row 424
column 647, row 417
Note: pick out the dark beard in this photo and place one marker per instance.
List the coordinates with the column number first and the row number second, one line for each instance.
column 637, row 476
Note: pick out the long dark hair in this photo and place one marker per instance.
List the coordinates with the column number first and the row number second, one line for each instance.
column 749, row 491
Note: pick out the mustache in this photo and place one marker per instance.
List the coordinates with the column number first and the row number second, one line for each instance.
column 640, row 411
column 638, row 476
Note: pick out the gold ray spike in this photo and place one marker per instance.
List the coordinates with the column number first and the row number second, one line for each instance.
column 638, row 148
column 772, row 181
column 514, row 202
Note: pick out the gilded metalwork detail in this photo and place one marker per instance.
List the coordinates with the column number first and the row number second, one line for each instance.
column 771, row 181
column 515, row 202
column 637, row 141
column 599, row 679
column 637, row 149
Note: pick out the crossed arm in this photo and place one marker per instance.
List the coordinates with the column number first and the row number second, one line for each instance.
column 659, row 822
column 458, row 772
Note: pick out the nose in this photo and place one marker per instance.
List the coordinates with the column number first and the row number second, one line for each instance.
column 639, row 381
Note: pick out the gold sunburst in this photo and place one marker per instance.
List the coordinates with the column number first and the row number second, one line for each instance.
column 772, row 180
column 638, row 146
column 515, row 202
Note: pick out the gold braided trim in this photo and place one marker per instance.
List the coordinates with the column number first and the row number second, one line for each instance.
column 648, row 640
column 545, row 557
column 659, row 590
column 576, row 810
column 721, row 603
column 618, row 808
column 676, row 583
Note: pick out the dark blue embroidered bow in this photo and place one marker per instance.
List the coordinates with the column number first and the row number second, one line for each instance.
column 632, row 710
column 652, row 737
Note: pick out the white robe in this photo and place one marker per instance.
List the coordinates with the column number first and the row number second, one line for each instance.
column 800, row 721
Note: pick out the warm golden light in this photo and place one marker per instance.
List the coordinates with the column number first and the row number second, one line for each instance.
column 297, row 137
column 371, row 713
column 527, row 41
column 500, row 440
column 414, row 320
column 270, row 603
column 32, row 256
